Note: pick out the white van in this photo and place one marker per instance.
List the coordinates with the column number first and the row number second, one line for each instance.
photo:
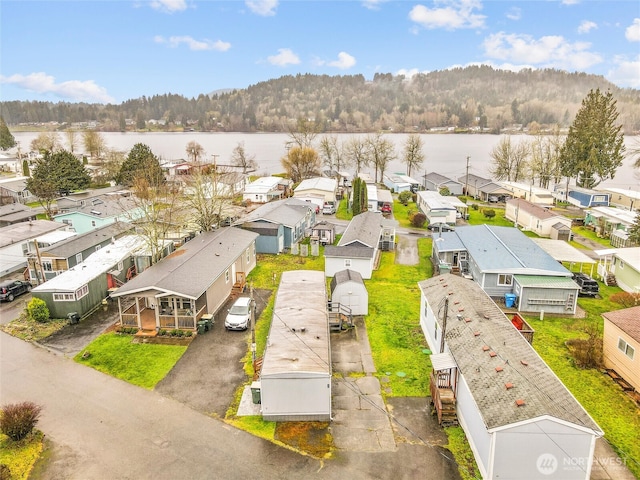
column 239, row 315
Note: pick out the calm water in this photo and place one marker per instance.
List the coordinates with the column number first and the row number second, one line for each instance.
column 445, row 154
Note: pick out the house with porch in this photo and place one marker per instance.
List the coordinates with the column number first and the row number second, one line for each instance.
column 542, row 221
column 624, row 198
column 581, row 197
column 436, row 207
column 519, row 418
column 195, row 280
column 536, row 195
column 14, row 190
column 610, row 222
column 83, row 287
column 317, row 190
column 504, row 261
column 625, row 267
column 359, row 247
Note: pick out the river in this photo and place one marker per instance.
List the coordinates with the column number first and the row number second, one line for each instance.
column 445, row 154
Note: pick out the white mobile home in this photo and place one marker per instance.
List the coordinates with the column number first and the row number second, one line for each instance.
column 295, row 380
column 520, row 420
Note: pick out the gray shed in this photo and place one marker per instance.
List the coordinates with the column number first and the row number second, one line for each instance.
column 348, row 289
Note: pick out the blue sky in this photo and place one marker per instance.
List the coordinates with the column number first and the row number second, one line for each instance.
column 112, row 51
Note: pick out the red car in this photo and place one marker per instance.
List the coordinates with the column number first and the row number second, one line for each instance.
column 386, row 209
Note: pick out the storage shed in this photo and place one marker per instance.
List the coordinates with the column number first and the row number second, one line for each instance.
column 348, row 289
column 295, row 380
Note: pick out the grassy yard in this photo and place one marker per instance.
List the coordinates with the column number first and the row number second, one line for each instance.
column 31, row 331
column 605, row 401
column 591, row 235
column 141, row 364
column 476, row 217
column 20, row 456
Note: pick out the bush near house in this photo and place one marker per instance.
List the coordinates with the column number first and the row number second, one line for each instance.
column 17, row 420
column 37, row 310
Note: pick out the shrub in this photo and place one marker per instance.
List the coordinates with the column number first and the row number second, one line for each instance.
column 405, row 197
column 19, row 419
column 188, row 333
column 37, row 310
column 626, row 299
column 162, row 332
column 489, row 212
column 418, row 220
column 475, row 206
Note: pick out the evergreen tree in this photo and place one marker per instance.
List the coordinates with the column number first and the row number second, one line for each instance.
column 57, row 174
column 355, row 205
column 25, row 168
column 7, row 140
column 594, row 147
column 634, row 230
column 141, row 162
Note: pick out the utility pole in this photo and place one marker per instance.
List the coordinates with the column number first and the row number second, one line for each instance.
column 39, row 263
column 444, row 323
column 466, row 187
column 253, row 326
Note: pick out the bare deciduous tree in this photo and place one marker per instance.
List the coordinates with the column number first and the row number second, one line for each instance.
column 303, row 133
column 382, row 152
column 209, row 195
column 357, row 151
column 95, row 144
column 46, row 142
column 239, row 158
column 413, row 154
column 194, row 151
column 510, row 161
column 301, row 163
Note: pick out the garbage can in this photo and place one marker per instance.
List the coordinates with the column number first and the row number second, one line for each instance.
column 509, row 300
column 255, row 392
column 208, row 319
column 73, row 317
column 202, row 326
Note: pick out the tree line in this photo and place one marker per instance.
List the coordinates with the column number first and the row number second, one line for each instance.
column 478, row 97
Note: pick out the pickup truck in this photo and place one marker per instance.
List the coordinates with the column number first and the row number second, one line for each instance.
column 588, row 286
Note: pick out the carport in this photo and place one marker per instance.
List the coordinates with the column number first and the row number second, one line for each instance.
column 563, row 252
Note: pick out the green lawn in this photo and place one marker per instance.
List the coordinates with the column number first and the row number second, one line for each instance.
column 141, row 364
column 591, row 235
column 476, row 217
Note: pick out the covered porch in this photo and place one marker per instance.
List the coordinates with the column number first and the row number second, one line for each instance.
column 155, row 311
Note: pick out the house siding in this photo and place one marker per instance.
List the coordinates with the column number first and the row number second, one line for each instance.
column 614, row 358
column 364, row 266
column 628, row 278
column 549, row 300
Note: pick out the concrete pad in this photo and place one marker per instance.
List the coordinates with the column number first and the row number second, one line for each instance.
column 362, row 439
column 247, row 407
column 368, row 385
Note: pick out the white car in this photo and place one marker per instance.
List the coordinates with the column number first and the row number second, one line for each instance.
column 239, row 315
column 329, row 209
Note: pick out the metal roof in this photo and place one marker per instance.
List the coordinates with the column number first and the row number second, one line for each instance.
column 480, row 338
column 507, row 249
column 22, row 231
column 317, row 183
column 543, row 281
column 77, row 244
column 298, row 341
column 562, row 251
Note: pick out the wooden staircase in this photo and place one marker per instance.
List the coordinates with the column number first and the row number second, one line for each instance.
column 610, row 280
column 443, row 400
column 239, row 285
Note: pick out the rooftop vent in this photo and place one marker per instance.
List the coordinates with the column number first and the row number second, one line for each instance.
column 499, row 368
column 509, row 385
column 520, row 402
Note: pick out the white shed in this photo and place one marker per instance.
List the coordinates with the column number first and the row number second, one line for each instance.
column 520, row 420
column 348, row 289
column 295, row 380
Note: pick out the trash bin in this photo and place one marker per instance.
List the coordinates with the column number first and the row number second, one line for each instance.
column 509, row 300
column 73, row 317
column 202, row 326
column 208, row 319
column 255, row 392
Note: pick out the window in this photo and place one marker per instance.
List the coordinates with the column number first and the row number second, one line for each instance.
column 120, row 265
column 504, row 280
column 226, row 276
column 47, row 266
column 625, row 348
column 82, row 291
column 248, row 255
column 63, row 297
column 97, row 247
column 68, row 222
column 25, row 249
column 78, row 257
column 347, row 262
column 93, row 223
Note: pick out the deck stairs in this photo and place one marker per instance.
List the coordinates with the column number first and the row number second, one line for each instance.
column 340, row 316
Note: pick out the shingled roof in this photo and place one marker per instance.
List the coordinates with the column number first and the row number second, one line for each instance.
column 627, row 320
column 480, row 338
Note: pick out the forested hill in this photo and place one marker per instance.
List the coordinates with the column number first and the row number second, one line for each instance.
column 477, row 98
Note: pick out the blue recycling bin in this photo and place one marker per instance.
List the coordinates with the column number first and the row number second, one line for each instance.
column 509, row 300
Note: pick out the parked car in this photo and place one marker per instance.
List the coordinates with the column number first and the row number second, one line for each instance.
column 588, row 286
column 386, row 209
column 440, row 227
column 328, row 209
column 12, row 289
column 239, row 315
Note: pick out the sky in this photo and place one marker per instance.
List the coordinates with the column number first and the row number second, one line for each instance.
column 112, row 51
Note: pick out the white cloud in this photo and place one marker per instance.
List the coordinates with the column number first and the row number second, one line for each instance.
column 449, row 14
column 586, row 26
column 193, row 44
column 408, row 73
column 372, row 4
column 552, row 51
column 72, row 90
column 570, row 2
column 169, row 6
column 344, row 61
column 632, row 33
column 514, row 13
column 284, row 57
column 264, row 8
column 626, row 73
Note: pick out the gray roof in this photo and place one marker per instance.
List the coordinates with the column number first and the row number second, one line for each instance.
column 348, row 251
column 288, row 212
column 18, row 185
column 474, row 180
column 364, row 229
column 17, row 212
column 104, row 207
column 438, row 179
column 301, row 302
column 344, row 276
column 194, row 267
column 69, row 247
column 22, row 231
column 483, row 328
column 262, row 228
column 507, row 249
